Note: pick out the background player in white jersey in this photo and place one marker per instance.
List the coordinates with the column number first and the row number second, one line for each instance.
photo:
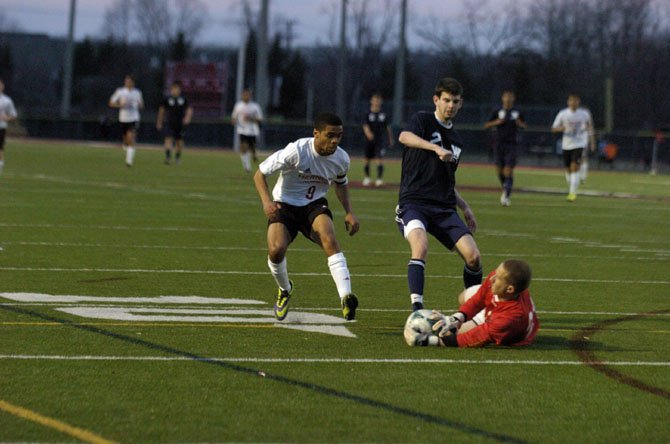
column 7, row 113
column 576, row 125
column 129, row 101
column 306, row 168
column 246, row 117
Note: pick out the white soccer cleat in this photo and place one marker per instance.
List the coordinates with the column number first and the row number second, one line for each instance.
column 379, row 182
column 367, row 181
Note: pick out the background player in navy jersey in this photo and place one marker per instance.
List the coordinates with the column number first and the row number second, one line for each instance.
column 507, row 121
column 173, row 115
column 306, row 168
column 378, row 135
column 428, row 197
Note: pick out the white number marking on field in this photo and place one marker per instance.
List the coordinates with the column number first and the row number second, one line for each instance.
column 296, row 320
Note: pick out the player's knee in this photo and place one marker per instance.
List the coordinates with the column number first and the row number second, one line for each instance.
column 329, row 244
column 276, row 252
column 474, row 260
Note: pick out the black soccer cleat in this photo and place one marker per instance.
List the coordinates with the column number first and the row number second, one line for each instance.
column 349, row 305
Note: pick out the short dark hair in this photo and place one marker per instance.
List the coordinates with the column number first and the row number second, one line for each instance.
column 574, row 94
column 450, row 86
column 325, row 119
column 518, row 274
column 177, row 83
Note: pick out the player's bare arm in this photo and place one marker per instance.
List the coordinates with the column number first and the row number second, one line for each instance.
column 350, row 220
column 592, row 135
column 521, row 123
column 159, row 118
column 188, row 116
column 558, row 129
column 411, row 140
column 470, row 219
column 368, row 132
column 491, row 123
column 270, row 207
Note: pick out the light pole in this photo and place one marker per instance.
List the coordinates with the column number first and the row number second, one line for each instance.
column 67, row 65
column 399, row 87
column 342, row 60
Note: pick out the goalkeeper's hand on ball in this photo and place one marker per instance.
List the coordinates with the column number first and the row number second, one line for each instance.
column 415, row 338
column 446, row 325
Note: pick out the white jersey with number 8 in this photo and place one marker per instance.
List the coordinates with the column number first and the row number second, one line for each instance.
column 304, row 175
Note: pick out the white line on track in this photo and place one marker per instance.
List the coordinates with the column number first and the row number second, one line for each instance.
column 332, row 360
column 257, row 273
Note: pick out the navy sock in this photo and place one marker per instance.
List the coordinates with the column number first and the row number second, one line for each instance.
column 177, row 155
column 415, row 279
column 366, row 169
column 471, row 277
column 167, row 154
column 507, row 186
column 380, row 171
column 501, row 178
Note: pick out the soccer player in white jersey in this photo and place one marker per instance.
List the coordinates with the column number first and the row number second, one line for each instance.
column 576, row 125
column 128, row 100
column 7, row 113
column 246, row 117
column 306, row 168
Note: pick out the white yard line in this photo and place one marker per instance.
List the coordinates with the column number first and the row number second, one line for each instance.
column 329, row 360
column 260, row 273
column 660, row 254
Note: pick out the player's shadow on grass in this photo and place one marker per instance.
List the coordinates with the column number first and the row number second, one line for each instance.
column 546, row 342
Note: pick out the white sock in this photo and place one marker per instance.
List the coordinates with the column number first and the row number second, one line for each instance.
column 574, row 182
column 583, row 170
column 130, row 155
column 2, row 165
column 280, row 274
column 416, row 298
column 338, row 269
column 246, row 161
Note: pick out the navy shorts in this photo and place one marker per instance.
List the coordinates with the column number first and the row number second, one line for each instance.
column 443, row 223
column 301, row 218
column 373, row 150
column 570, row 156
column 173, row 131
column 505, row 155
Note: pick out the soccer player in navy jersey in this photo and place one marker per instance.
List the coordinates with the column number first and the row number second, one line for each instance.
column 174, row 115
column 428, row 198
column 506, row 120
column 378, row 135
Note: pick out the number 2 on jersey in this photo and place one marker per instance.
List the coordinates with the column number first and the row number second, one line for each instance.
column 310, row 192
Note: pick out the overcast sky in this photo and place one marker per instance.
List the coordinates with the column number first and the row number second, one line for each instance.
column 313, row 17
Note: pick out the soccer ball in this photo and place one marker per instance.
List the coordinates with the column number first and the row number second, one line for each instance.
column 418, row 327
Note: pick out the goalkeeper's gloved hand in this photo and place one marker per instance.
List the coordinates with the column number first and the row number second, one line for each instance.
column 446, row 325
column 416, row 338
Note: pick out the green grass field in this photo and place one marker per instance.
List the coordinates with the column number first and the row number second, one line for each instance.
column 118, row 363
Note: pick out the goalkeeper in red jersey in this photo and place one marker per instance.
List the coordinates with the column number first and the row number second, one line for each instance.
column 499, row 312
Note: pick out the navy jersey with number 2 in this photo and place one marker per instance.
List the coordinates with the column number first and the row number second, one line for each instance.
column 425, row 178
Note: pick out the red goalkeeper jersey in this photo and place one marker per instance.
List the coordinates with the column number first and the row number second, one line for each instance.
column 511, row 322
